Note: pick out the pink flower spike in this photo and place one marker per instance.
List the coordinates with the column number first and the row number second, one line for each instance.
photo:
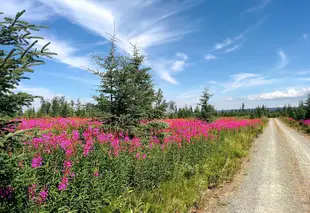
column 43, row 195
column 36, row 162
column 96, row 173
column 67, row 164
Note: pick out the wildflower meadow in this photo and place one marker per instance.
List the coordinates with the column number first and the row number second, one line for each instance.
column 73, row 165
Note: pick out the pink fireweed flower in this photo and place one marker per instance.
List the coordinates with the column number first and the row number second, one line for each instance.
column 67, row 164
column 96, row 173
column 143, row 156
column 36, row 162
column 75, row 135
column 63, row 184
column 43, row 195
column 137, row 155
column 87, row 147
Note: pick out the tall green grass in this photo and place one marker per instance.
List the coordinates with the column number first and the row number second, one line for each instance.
column 219, row 162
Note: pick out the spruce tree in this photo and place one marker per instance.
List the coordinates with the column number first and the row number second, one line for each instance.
column 125, row 94
column 207, row 110
column 160, row 105
column 55, row 108
column 17, row 56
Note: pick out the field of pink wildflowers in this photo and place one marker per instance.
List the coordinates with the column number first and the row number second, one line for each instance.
column 72, row 164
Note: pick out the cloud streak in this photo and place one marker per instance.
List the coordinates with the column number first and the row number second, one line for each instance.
column 258, row 7
column 210, row 57
column 232, row 49
column 283, row 60
column 34, row 12
column 234, row 43
column 288, row 94
column 242, row 80
column 66, row 53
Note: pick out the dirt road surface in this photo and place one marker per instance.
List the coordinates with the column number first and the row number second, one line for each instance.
column 278, row 176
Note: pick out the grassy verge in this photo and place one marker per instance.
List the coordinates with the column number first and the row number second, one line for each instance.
column 298, row 125
column 220, row 163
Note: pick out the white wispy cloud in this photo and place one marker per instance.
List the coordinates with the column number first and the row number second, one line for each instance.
column 179, row 64
column 210, row 56
column 225, row 43
column 182, row 56
column 242, row 80
column 66, row 53
column 232, row 49
column 243, row 76
column 34, row 11
column 283, row 60
column 260, row 6
column 288, row 94
column 154, row 28
column 167, row 77
column 304, row 37
column 236, row 41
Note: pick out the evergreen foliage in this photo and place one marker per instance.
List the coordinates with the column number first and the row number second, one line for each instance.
column 207, row 110
column 17, row 56
column 126, row 94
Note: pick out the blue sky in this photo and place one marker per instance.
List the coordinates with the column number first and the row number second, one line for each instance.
column 251, row 51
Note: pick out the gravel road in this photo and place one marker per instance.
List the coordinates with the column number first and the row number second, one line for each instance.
column 278, row 176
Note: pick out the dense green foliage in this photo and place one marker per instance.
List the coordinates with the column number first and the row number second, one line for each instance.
column 17, row 56
column 126, row 94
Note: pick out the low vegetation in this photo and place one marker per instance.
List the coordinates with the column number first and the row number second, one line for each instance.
column 74, row 165
column 301, row 125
